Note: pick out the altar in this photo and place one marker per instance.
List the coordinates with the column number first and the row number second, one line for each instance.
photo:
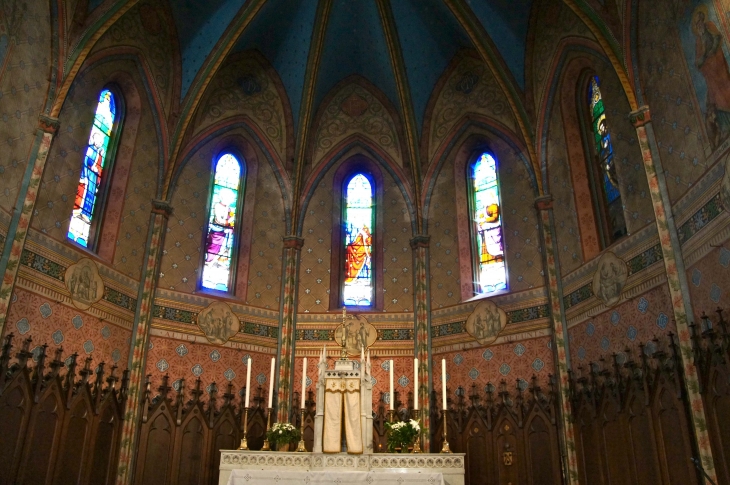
column 343, row 438
column 261, row 467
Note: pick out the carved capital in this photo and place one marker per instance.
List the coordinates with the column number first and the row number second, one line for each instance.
column 48, row 124
column 420, row 241
column 161, row 207
column 293, row 242
column 640, row 117
column 544, row 203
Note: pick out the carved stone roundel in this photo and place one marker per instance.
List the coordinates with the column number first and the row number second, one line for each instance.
column 218, row 322
column 84, row 283
column 358, row 332
column 486, row 322
column 610, row 279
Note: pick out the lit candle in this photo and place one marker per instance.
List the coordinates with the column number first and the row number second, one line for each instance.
column 271, row 382
column 443, row 382
column 415, row 383
column 392, row 396
column 248, row 380
column 304, row 380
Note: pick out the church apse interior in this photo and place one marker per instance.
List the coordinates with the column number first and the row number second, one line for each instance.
column 534, row 193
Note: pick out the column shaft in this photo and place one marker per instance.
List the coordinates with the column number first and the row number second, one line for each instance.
column 287, row 327
column 23, row 211
column 140, row 342
column 422, row 332
column 676, row 279
column 559, row 341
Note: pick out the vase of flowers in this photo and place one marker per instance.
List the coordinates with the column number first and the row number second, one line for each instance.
column 282, row 434
column 402, row 434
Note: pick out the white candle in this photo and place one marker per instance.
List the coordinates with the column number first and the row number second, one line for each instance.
column 415, row 384
column 304, row 380
column 248, row 380
column 443, row 382
column 271, row 382
column 392, row 396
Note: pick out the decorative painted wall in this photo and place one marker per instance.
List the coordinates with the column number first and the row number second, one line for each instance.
column 515, row 362
column 247, row 86
column 709, row 283
column 61, row 325
column 211, row 363
column 125, row 222
column 314, row 273
column 182, row 257
column 25, row 59
column 626, row 325
column 676, row 90
column 149, row 29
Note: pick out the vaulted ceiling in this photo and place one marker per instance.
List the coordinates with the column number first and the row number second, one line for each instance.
column 354, row 41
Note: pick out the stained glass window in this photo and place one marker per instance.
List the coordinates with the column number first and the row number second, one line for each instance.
column 487, row 220
column 606, row 165
column 359, row 215
column 95, row 161
column 221, row 235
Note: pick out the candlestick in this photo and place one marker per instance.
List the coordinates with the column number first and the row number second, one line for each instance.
column 301, row 446
column 244, row 442
column 304, row 381
column 445, row 448
column 248, row 381
column 443, row 382
column 415, row 384
column 271, row 382
column 392, row 396
column 417, row 443
column 267, row 446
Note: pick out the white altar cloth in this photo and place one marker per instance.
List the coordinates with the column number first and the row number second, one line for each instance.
column 278, row 477
column 292, row 468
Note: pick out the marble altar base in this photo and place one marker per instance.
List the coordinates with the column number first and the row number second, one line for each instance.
column 384, row 468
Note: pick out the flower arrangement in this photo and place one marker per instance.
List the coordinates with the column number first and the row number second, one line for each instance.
column 282, row 434
column 402, row 434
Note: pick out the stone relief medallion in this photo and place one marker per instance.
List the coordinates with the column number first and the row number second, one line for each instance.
column 486, row 322
column 84, row 283
column 357, row 333
column 610, row 279
column 725, row 187
column 218, row 323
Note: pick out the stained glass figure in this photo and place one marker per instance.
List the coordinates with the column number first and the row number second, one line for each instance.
column 92, row 169
column 359, row 214
column 607, row 167
column 487, row 218
column 221, row 235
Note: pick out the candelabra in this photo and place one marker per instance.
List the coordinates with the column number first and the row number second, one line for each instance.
column 445, row 448
column 301, row 446
column 417, row 443
column 267, row 446
column 244, row 443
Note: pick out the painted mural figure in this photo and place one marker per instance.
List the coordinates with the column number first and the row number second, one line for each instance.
column 218, row 323
column 710, row 61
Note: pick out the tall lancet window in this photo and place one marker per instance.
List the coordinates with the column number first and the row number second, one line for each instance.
column 359, row 216
column 221, row 236
column 93, row 178
column 603, row 172
column 486, row 215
